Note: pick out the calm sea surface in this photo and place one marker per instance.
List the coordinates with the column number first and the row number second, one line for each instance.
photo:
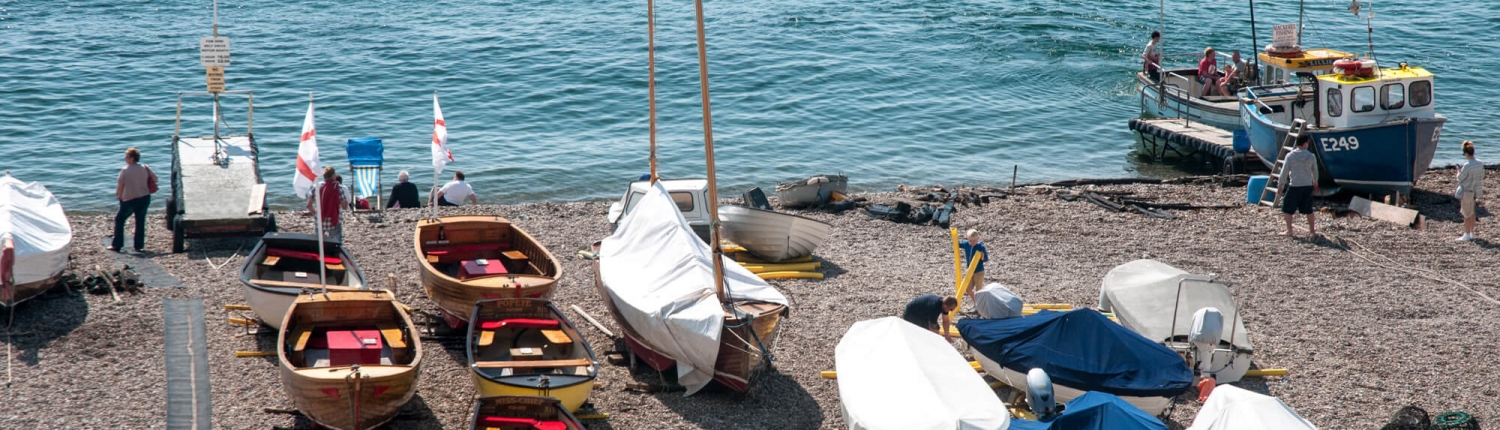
column 546, row 100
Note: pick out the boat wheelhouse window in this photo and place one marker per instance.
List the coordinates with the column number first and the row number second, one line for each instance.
column 1335, row 102
column 1421, row 93
column 1392, row 96
column 1363, row 99
column 684, row 200
column 635, row 197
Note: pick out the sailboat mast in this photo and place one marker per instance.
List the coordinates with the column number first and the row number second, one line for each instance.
column 708, row 145
column 651, row 80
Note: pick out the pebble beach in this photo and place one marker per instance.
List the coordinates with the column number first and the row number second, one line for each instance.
column 1368, row 316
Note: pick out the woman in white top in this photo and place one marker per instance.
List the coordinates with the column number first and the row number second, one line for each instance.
column 1470, row 187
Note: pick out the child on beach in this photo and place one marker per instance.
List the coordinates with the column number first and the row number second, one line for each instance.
column 970, row 246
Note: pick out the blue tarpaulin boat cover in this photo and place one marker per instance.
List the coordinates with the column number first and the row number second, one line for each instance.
column 365, row 151
column 1095, row 411
column 1081, row 349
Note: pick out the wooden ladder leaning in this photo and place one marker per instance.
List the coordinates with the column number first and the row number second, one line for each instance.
column 1269, row 196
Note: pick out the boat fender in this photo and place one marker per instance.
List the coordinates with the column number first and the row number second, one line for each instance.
column 1284, row 51
column 1039, row 394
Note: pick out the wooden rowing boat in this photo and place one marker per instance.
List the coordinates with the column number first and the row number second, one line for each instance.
column 283, row 265
column 349, row 359
column 522, row 412
column 465, row 259
column 527, row 347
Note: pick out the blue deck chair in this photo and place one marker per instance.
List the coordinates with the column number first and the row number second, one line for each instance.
column 366, row 155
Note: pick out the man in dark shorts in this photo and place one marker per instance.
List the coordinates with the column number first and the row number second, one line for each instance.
column 1297, row 183
column 927, row 309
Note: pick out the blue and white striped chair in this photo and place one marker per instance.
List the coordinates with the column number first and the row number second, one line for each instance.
column 366, row 156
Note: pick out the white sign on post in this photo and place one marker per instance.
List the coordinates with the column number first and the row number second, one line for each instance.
column 213, row 51
column 1281, row 35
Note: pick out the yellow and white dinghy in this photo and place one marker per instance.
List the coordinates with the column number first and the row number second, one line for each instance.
column 527, row 347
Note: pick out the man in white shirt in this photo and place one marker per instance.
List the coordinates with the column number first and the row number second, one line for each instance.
column 454, row 192
column 1151, row 63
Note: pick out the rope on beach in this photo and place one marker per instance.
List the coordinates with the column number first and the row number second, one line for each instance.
column 226, row 260
column 1393, row 265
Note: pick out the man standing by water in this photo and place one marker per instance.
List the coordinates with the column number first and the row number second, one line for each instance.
column 1297, row 183
column 133, row 189
column 926, row 309
column 456, row 191
column 1151, row 58
column 1470, row 184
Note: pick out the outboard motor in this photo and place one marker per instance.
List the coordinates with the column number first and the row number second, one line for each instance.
column 1208, row 328
column 1039, row 394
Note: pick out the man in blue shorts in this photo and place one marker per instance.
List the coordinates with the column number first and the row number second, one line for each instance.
column 1297, row 183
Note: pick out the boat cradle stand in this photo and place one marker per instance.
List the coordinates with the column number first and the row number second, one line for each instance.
column 1186, row 137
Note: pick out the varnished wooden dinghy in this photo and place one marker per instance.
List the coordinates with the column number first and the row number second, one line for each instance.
column 527, row 347
column 349, row 359
column 522, row 413
column 465, row 259
column 283, row 265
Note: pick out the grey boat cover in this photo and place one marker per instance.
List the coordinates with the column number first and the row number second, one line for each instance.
column 1142, row 294
column 995, row 301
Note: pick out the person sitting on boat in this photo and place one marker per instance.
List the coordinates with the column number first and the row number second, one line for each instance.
column 1297, row 183
column 1152, row 57
column 1234, row 74
column 404, row 194
column 927, row 309
column 1470, row 185
column 970, row 245
column 133, row 188
column 1208, row 71
column 454, row 192
column 329, row 199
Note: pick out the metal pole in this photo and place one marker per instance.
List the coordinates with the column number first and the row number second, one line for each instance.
column 216, row 18
column 708, row 145
column 1254, row 45
column 1300, row 4
column 651, row 82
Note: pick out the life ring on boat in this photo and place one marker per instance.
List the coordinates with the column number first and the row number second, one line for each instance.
column 1284, row 51
column 1355, row 67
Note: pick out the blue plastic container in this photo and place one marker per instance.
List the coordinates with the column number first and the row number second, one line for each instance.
column 1241, row 142
column 1256, row 187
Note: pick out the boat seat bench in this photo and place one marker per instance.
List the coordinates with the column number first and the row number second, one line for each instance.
column 487, row 328
column 577, row 362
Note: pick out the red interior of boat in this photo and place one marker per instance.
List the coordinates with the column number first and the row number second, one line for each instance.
column 525, row 423
column 301, row 255
column 519, row 323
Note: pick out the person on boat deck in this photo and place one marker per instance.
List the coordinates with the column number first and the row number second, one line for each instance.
column 1234, row 74
column 1152, row 57
column 329, row 203
column 1208, row 71
column 970, row 246
column 133, row 189
column 927, row 309
column 1470, row 186
column 1298, row 181
column 404, row 194
column 454, row 192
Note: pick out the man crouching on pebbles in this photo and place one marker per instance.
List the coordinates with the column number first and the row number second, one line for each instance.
column 926, row 309
column 1296, row 185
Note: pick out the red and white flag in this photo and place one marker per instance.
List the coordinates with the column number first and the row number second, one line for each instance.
column 307, row 157
column 440, row 153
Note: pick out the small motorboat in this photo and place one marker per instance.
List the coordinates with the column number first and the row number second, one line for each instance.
column 35, row 239
column 527, row 347
column 773, row 236
column 1097, row 411
column 895, row 375
column 465, row 259
column 812, row 191
column 349, row 359
column 1235, row 408
column 657, row 278
column 1081, row 350
column 522, row 412
column 285, row 265
column 1142, row 294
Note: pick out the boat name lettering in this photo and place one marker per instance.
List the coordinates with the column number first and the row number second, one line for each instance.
column 1323, row 62
column 1330, row 144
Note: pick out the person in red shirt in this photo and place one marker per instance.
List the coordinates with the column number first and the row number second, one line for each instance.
column 1208, row 72
column 332, row 199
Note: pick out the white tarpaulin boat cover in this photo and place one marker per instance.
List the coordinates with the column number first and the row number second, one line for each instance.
column 1142, row 294
column 661, row 278
column 1235, row 408
column 996, row 302
column 895, row 375
column 34, row 220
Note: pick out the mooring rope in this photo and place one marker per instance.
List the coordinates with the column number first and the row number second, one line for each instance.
column 1343, row 243
column 226, row 260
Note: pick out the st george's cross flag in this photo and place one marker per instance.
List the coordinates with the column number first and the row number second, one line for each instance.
column 307, row 157
column 440, row 153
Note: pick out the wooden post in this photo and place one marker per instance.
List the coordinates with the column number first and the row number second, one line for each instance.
column 708, row 149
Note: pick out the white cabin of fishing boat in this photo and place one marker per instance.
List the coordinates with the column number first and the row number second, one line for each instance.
column 1361, row 94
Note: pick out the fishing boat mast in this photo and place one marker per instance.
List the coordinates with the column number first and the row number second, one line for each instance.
column 651, row 78
column 708, row 145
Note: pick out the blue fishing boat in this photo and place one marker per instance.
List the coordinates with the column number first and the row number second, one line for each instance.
column 1374, row 129
column 1094, row 411
column 1081, row 351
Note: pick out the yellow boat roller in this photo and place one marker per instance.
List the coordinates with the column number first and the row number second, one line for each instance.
column 745, row 257
column 798, row 267
column 790, row 275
